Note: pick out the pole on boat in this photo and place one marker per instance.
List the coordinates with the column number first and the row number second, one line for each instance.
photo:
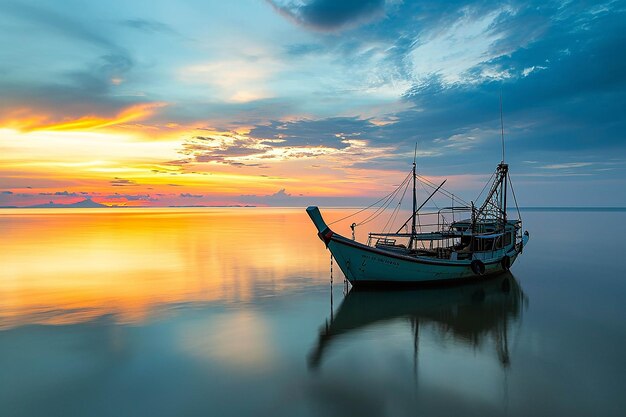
column 413, row 229
column 502, row 163
column 331, row 275
column 506, row 176
column 331, row 287
column 473, row 218
column 501, row 125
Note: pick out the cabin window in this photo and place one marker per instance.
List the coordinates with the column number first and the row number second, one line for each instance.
column 507, row 238
column 483, row 244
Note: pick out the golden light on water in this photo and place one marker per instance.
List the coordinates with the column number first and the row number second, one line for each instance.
column 66, row 265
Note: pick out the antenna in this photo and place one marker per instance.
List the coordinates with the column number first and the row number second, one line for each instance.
column 501, row 125
column 413, row 222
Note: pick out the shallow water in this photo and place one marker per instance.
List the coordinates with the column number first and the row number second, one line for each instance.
column 226, row 312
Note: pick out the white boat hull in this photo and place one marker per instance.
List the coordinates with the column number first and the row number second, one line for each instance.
column 367, row 266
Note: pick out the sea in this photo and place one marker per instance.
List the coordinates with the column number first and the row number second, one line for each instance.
column 240, row 312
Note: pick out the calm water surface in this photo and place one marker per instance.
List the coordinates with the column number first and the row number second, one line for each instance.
column 230, row 312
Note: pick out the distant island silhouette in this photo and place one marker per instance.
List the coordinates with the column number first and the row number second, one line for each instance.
column 89, row 203
column 86, row 203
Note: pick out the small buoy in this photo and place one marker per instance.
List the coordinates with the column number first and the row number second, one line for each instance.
column 478, row 267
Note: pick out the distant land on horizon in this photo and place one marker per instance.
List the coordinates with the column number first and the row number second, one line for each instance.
column 89, row 203
column 86, row 203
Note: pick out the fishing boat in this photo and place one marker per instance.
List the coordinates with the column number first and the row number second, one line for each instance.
column 483, row 241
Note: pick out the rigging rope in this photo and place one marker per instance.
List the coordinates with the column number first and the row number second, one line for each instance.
column 486, row 184
column 442, row 190
column 435, row 204
column 372, row 205
column 382, row 208
column 389, row 198
column 396, row 210
column 514, row 198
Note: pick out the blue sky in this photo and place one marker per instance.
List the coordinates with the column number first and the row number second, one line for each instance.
column 354, row 84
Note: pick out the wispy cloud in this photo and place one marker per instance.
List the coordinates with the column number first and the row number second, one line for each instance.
column 63, row 193
column 567, row 165
column 121, row 182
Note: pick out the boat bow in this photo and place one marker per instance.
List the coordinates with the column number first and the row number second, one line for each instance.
column 323, row 231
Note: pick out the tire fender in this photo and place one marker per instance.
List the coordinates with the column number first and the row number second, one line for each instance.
column 478, row 267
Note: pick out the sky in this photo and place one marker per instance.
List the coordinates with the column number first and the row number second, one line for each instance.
column 298, row 102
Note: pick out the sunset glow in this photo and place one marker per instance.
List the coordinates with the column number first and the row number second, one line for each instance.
column 276, row 104
column 312, row 208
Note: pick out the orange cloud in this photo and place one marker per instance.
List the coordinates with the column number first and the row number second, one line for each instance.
column 23, row 120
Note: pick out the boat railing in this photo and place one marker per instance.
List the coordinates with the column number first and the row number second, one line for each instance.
column 445, row 228
column 385, row 241
column 446, row 215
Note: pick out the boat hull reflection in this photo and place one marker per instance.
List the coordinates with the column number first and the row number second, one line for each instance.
column 470, row 313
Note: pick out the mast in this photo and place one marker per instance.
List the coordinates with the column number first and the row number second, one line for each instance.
column 413, row 229
column 506, row 176
column 501, row 125
column 504, row 181
column 422, row 205
column 494, row 206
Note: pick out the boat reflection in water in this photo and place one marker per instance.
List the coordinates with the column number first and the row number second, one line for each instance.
column 470, row 313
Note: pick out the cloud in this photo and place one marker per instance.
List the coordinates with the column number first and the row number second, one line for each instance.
column 7, row 192
column 62, row 193
column 279, row 198
column 114, row 60
column 280, row 194
column 28, row 121
column 448, row 53
column 58, row 24
column 331, row 15
column 223, row 148
column 72, row 68
column 131, row 197
column 454, row 116
column 330, row 132
column 567, row 165
column 284, row 140
column 527, row 71
column 546, row 109
column 357, row 99
column 240, row 80
column 189, row 195
column 120, row 182
column 84, row 99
